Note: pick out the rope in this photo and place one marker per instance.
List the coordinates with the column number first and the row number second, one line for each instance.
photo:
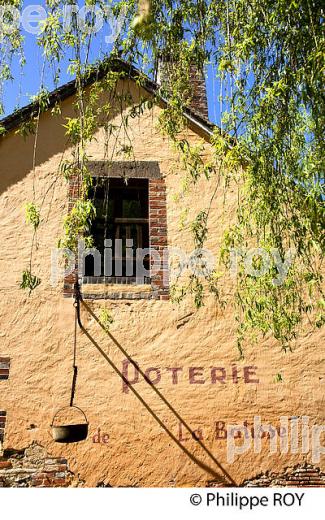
column 74, row 366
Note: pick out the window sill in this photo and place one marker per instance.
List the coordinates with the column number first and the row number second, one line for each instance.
column 109, row 281
column 118, row 292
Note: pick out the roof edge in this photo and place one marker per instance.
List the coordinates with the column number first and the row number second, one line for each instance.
column 67, row 90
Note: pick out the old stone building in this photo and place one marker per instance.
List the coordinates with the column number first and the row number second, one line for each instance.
column 164, row 369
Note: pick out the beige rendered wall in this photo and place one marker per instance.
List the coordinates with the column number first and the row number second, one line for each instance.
column 145, row 444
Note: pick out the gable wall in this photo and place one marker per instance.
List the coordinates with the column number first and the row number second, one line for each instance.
column 177, row 346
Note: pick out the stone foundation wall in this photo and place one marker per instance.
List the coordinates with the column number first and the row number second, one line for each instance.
column 34, row 467
column 303, row 475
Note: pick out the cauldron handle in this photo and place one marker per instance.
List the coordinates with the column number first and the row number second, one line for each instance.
column 64, row 407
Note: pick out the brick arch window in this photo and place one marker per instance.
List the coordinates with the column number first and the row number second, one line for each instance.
column 131, row 220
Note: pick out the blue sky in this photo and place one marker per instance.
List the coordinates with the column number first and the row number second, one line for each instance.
column 27, row 80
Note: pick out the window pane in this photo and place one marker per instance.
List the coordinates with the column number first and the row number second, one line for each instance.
column 117, row 204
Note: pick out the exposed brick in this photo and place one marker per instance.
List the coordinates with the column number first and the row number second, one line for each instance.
column 18, row 469
column 3, row 417
column 158, row 239
column 198, row 100
column 300, row 476
column 159, row 232
column 158, row 228
column 4, row 369
column 59, row 481
column 5, row 464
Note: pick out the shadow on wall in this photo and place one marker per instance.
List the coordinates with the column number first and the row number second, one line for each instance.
column 220, row 475
column 17, row 152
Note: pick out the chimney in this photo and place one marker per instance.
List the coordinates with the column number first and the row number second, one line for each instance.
column 199, row 101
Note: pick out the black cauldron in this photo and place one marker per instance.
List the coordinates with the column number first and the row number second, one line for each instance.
column 68, row 433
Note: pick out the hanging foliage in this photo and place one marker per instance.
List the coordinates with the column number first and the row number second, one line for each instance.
column 268, row 58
